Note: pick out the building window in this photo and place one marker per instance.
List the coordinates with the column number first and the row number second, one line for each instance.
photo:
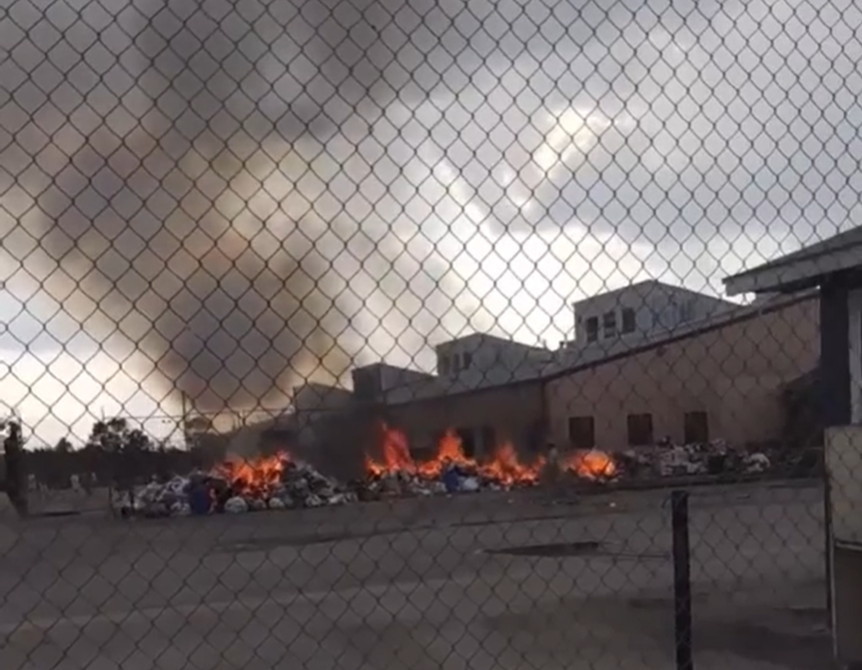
column 427, row 445
column 456, row 363
column 582, row 432
column 609, row 321
column 468, row 441
column 592, row 329
column 628, row 320
column 489, row 440
column 640, row 430
column 535, row 436
column 443, row 365
column 696, row 427
column 468, row 359
column 424, row 447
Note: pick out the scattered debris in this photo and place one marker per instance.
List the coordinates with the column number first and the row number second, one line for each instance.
column 673, row 460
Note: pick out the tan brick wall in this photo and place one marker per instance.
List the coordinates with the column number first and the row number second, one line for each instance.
column 733, row 373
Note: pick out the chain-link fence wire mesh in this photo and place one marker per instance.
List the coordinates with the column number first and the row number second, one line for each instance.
column 434, row 287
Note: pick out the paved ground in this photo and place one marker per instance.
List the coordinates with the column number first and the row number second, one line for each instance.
column 420, row 584
column 63, row 500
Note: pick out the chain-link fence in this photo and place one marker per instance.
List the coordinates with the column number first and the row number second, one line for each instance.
column 378, row 333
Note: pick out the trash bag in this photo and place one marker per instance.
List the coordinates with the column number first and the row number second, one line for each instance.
column 452, row 480
column 469, row 484
column 236, row 505
column 200, row 500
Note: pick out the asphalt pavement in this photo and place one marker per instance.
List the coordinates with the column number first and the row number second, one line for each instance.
column 478, row 581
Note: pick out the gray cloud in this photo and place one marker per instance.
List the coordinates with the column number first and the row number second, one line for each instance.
column 197, row 200
column 251, row 193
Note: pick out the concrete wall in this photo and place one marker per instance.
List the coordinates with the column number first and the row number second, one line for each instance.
column 313, row 401
column 338, row 442
column 313, row 396
column 734, row 374
column 514, row 412
column 486, row 354
column 373, row 382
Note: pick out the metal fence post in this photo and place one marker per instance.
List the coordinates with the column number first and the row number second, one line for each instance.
column 681, row 580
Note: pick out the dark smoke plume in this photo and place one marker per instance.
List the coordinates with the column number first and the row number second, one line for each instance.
column 205, row 188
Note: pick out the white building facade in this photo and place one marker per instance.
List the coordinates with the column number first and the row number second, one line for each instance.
column 640, row 311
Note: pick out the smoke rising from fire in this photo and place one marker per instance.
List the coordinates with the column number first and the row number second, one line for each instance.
column 233, row 197
column 215, row 198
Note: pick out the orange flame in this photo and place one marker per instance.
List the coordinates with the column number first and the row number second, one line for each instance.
column 592, row 464
column 503, row 467
column 253, row 476
column 450, row 451
column 396, row 454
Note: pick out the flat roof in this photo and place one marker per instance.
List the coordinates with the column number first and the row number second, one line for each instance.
column 801, row 269
column 654, row 284
column 437, row 388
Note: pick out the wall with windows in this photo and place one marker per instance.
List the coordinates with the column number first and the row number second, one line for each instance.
column 722, row 381
column 480, row 354
column 484, row 418
column 640, row 310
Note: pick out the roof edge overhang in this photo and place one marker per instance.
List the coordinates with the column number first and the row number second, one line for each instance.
column 796, row 275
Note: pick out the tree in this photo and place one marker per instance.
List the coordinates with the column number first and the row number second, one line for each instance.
column 63, row 446
column 124, row 447
column 115, row 436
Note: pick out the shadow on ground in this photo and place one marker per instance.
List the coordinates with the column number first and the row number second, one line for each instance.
column 792, row 638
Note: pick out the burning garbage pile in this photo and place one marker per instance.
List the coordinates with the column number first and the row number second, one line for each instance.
column 236, row 486
column 450, row 470
column 278, row 482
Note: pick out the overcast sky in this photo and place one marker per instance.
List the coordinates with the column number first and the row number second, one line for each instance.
column 229, row 198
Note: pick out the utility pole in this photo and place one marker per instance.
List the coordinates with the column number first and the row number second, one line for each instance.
column 185, row 420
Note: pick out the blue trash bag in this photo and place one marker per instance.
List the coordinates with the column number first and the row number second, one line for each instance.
column 200, row 500
column 452, row 480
